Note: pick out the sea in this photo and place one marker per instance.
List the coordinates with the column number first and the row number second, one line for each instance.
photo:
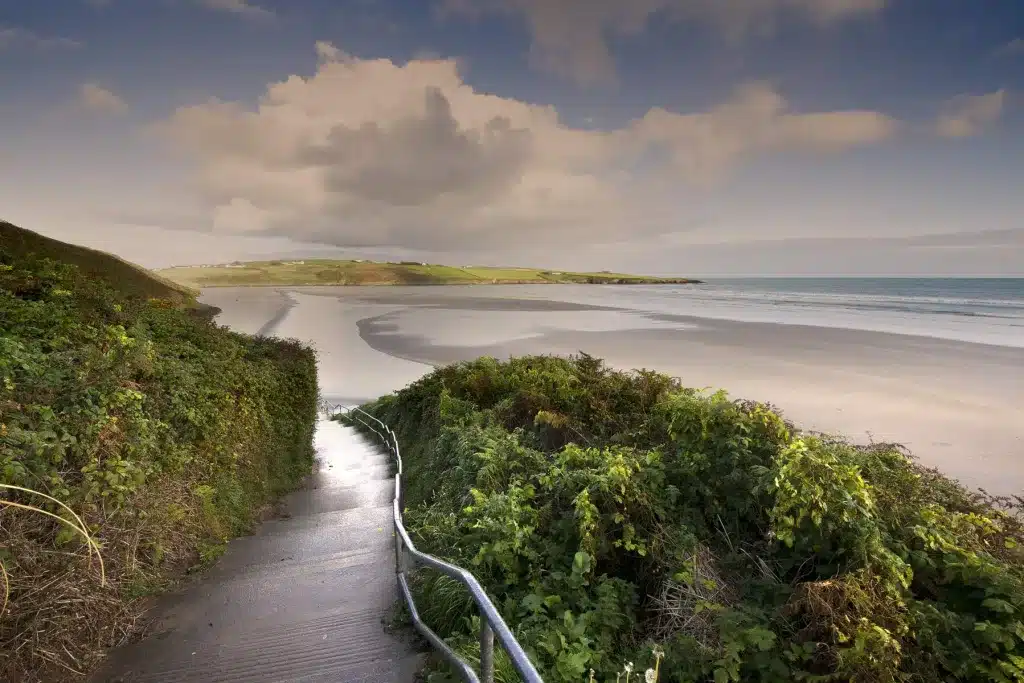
column 977, row 310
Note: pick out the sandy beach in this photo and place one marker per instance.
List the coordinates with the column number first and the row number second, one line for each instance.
column 955, row 404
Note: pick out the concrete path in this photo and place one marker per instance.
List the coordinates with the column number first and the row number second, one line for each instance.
column 304, row 599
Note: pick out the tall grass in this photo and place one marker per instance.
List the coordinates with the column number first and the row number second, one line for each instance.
column 75, row 524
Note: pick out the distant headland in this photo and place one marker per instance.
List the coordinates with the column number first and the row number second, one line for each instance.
column 361, row 272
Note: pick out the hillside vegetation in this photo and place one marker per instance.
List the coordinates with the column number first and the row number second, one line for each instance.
column 125, row 277
column 166, row 433
column 613, row 515
column 331, row 272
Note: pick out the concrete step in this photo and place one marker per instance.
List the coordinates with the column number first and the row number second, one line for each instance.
column 309, row 537
column 378, row 493
column 352, row 475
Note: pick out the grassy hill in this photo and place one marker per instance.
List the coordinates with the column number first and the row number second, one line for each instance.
column 335, row 272
column 122, row 275
column 163, row 432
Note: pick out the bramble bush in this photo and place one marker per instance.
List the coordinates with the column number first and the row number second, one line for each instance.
column 612, row 515
column 164, row 432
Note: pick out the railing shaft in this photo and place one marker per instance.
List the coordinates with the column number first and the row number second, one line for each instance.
column 398, row 551
column 486, row 652
column 489, row 616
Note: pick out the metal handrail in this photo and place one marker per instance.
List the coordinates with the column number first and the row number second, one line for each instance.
column 491, row 624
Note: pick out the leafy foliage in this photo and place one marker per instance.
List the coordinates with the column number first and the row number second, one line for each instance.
column 165, row 432
column 614, row 514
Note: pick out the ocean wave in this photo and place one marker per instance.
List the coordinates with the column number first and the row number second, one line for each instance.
column 967, row 315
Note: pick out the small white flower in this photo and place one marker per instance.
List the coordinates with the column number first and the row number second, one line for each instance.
column 650, row 676
column 629, row 667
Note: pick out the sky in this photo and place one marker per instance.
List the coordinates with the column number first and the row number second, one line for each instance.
column 677, row 137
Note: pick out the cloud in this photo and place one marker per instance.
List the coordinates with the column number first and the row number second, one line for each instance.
column 703, row 147
column 1009, row 237
column 369, row 152
column 327, row 52
column 570, row 37
column 1014, row 47
column 98, row 99
column 13, row 37
column 241, row 7
column 969, row 115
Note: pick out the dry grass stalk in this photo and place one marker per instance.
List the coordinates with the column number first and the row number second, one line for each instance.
column 682, row 607
column 76, row 525
column 64, row 609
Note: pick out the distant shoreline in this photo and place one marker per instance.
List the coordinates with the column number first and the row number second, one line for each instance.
column 444, row 284
column 331, row 273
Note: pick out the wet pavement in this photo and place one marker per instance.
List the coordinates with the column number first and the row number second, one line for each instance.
column 304, row 599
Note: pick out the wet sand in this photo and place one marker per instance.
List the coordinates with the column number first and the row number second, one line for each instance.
column 956, row 405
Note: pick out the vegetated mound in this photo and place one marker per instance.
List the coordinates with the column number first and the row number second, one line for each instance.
column 164, row 432
column 610, row 514
column 122, row 276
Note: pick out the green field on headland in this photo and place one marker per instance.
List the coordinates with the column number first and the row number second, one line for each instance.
column 136, row 437
column 623, row 518
column 333, row 272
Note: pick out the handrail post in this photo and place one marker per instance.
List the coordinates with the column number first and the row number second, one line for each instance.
column 486, row 652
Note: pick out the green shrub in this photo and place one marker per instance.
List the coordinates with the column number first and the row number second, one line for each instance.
column 165, row 432
column 613, row 514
